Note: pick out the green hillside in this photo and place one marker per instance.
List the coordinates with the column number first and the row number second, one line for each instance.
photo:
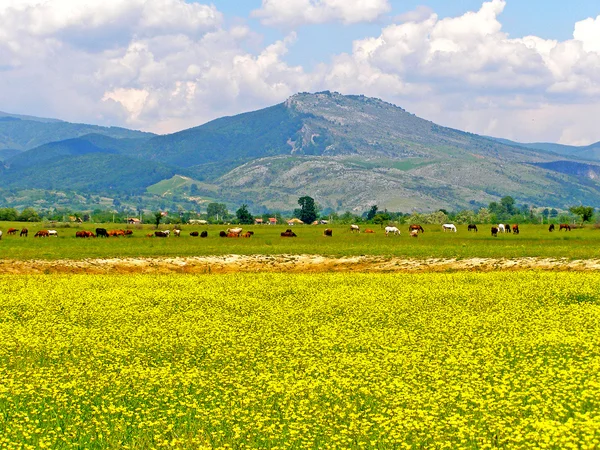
column 25, row 133
column 348, row 152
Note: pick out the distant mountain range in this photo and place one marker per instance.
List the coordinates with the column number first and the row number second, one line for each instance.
column 348, row 152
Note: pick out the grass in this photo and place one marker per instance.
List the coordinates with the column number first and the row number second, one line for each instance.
column 533, row 241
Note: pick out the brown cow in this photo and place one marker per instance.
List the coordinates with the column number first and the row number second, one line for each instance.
column 247, row 234
column 417, row 228
column 515, row 229
column 160, row 234
column 149, row 235
column 84, row 234
column 368, row 230
column 116, row 232
column 127, row 233
column 288, row 233
column 194, row 234
column 42, row 233
column 328, row 232
column 12, row 231
column 564, row 226
column 24, row 232
column 233, row 235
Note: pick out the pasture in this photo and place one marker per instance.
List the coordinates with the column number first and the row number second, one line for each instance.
column 533, row 241
column 454, row 360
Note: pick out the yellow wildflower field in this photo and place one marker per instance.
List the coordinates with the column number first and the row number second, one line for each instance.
column 432, row 360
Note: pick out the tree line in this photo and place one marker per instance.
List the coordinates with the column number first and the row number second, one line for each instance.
column 504, row 211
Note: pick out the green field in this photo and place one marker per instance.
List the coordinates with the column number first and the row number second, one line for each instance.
column 533, row 241
column 459, row 360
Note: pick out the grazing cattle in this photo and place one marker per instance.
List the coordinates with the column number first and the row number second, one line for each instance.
column 204, row 234
column 52, row 233
column 414, row 233
column 237, row 230
column 150, row 235
column 84, row 234
column 515, row 229
column 101, row 232
column 507, row 227
column 392, row 230
column 354, row 228
column 24, row 232
column 472, row 227
column 495, row 231
column 42, row 233
column 288, row 233
column 233, row 235
column 222, row 234
column 417, row 228
column 564, row 226
column 500, row 228
column 159, row 233
column 128, row 233
column 176, row 232
column 194, row 234
column 12, row 231
column 328, row 232
column 0, row 234
column 449, row 227
column 369, row 231
column 551, row 228
column 247, row 234
column 116, row 233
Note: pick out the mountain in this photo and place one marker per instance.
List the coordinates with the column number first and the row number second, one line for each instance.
column 346, row 151
column 27, row 132
column 590, row 152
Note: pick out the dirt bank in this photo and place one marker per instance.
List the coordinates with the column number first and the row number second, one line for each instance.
column 287, row 263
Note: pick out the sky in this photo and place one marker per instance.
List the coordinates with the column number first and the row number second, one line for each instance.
column 527, row 70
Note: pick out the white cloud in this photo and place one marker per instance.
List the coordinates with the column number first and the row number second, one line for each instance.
column 293, row 13
column 164, row 65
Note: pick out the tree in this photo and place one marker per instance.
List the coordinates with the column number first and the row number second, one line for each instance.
column 244, row 216
column 585, row 212
column 28, row 215
column 308, row 209
column 372, row 212
column 157, row 218
column 508, row 204
column 216, row 211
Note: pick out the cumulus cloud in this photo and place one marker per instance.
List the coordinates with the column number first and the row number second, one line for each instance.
column 164, row 65
column 293, row 13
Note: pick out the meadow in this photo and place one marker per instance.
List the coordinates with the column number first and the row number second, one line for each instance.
column 533, row 241
column 454, row 360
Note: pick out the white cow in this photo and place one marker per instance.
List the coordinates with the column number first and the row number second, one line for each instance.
column 197, row 222
column 52, row 233
column 449, row 227
column 501, row 228
column 237, row 230
column 354, row 228
column 392, row 230
column 176, row 232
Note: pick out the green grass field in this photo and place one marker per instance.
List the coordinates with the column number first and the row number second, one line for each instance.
column 456, row 360
column 533, row 241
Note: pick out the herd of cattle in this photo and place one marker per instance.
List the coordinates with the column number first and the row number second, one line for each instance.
column 414, row 231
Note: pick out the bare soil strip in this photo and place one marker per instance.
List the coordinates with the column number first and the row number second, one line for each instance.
column 287, row 263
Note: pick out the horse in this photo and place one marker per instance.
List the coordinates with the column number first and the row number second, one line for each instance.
column 392, row 230
column 11, row 231
column 24, row 232
column 507, row 227
column 551, row 228
column 495, row 231
column 515, row 229
column 472, row 227
column 354, row 228
column 564, row 226
column 449, row 227
column 501, row 228
column 42, row 233
column 416, row 227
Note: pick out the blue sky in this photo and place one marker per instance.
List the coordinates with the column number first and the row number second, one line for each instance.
column 527, row 70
